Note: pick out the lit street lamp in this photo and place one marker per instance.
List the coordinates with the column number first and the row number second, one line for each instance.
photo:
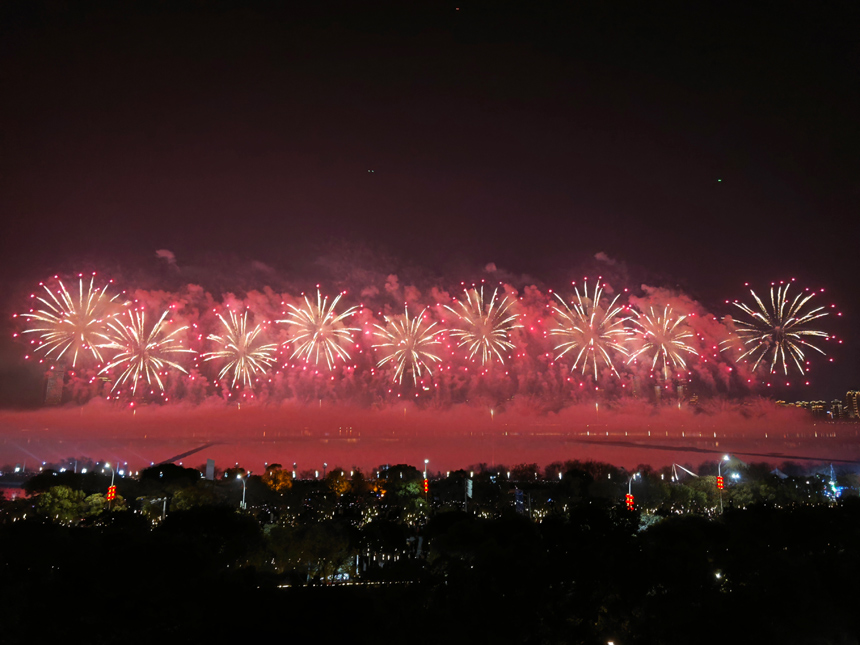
column 719, row 480
column 629, row 499
column 112, row 473
column 242, row 505
column 163, row 500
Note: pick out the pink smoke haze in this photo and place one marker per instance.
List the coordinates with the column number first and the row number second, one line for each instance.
column 345, row 436
column 533, row 407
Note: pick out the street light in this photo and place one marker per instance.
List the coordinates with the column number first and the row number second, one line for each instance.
column 112, row 472
column 111, row 489
column 242, row 505
column 720, row 480
column 629, row 498
column 163, row 500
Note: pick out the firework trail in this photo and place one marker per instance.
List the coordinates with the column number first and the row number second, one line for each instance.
column 140, row 353
column 408, row 342
column 485, row 328
column 71, row 324
column 589, row 331
column 317, row 329
column 245, row 356
column 663, row 339
column 779, row 332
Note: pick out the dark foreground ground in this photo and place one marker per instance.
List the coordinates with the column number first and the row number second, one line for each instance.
column 783, row 577
column 570, row 564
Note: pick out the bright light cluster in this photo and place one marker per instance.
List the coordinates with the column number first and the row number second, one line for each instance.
column 593, row 336
column 317, row 331
column 141, row 353
column 68, row 324
column 589, row 331
column 485, row 330
column 663, row 339
column 408, row 344
column 244, row 355
column 777, row 330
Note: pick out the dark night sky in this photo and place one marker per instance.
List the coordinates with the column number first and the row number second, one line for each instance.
column 529, row 136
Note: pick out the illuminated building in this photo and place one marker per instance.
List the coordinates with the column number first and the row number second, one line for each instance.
column 852, row 400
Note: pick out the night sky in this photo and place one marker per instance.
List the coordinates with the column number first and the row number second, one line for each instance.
column 700, row 145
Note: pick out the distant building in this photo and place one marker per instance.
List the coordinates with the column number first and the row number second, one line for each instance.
column 819, row 409
column 852, row 401
column 837, row 410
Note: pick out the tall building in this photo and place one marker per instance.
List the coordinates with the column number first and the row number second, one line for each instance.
column 837, row 410
column 852, row 401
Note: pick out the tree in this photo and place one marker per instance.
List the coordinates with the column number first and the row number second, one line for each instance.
column 167, row 477
column 278, row 479
column 317, row 550
column 337, row 482
column 198, row 494
column 525, row 473
column 62, row 504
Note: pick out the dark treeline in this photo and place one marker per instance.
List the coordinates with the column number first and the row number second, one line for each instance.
column 550, row 555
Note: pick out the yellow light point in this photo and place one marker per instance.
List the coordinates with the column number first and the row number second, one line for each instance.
column 317, row 331
column 408, row 342
column 777, row 334
column 72, row 325
column 486, row 328
column 142, row 354
column 245, row 357
column 589, row 331
column 662, row 336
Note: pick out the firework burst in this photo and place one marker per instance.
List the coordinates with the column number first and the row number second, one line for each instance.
column 590, row 332
column 71, row 325
column 408, row 342
column 142, row 354
column 486, row 328
column 244, row 354
column 663, row 339
column 317, row 330
column 777, row 334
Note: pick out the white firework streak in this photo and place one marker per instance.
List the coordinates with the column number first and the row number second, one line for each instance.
column 71, row 324
column 142, row 354
column 316, row 329
column 779, row 331
column 485, row 328
column 408, row 343
column 590, row 331
column 663, row 336
column 244, row 357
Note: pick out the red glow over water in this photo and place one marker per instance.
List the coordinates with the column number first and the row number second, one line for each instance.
column 349, row 437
